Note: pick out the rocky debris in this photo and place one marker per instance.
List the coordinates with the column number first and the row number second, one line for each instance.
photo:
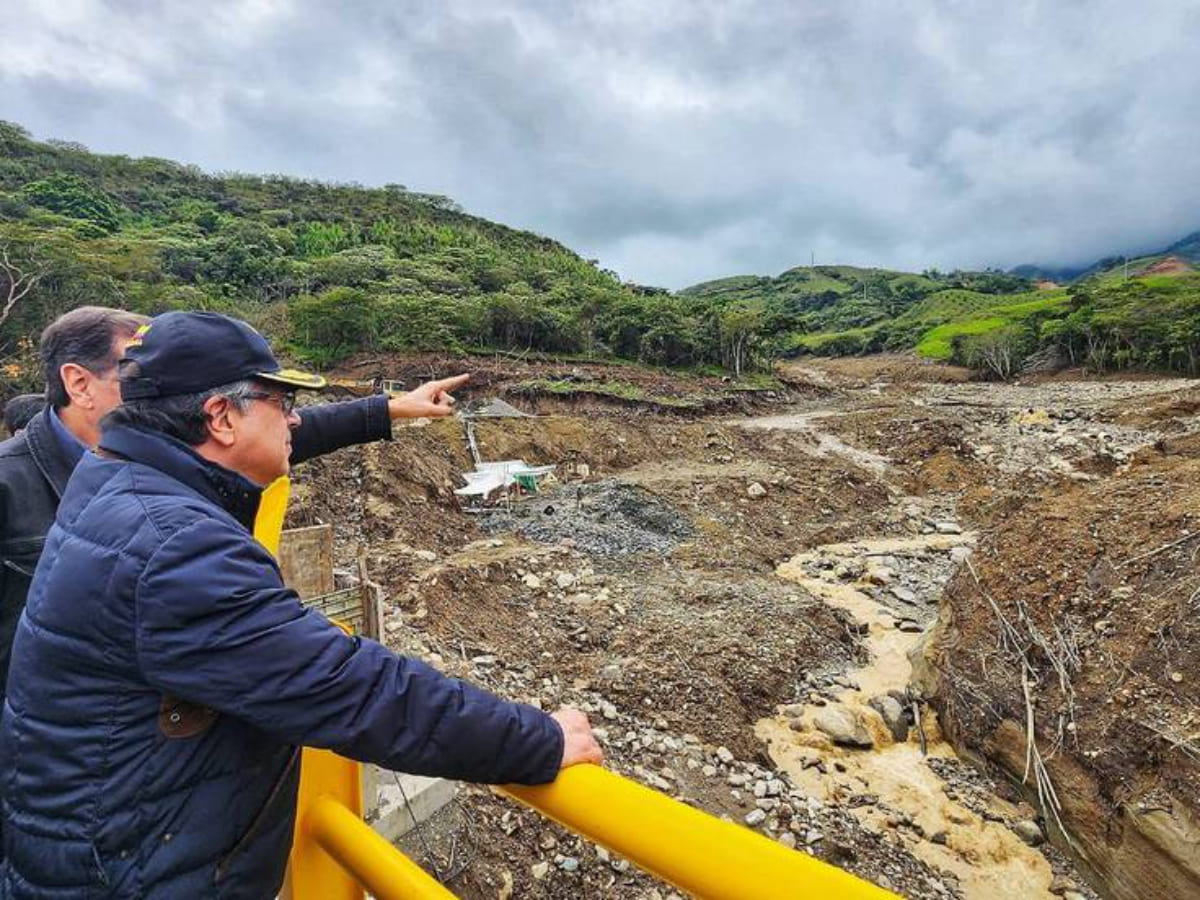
column 659, row 649
column 756, row 490
column 843, row 727
column 604, row 518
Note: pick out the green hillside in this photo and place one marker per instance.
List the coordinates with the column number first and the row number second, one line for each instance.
column 332, row 270
column 327, row 270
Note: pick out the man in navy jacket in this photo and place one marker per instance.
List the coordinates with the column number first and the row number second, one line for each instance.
column 79, row 352
column 163, row 678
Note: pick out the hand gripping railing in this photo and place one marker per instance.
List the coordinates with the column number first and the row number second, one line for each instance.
column 335, row 854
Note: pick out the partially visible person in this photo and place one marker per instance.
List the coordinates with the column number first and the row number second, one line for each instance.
column 20, row 409
column 164, row 677
column 79, row 353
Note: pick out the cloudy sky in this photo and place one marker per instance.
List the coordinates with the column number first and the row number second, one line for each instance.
column 675, row 141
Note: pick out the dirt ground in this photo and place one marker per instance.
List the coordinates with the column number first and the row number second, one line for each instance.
column 655, row 594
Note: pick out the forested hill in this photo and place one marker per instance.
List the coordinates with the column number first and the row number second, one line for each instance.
column 325, row 269
column 330, row 270
column 1139, row 313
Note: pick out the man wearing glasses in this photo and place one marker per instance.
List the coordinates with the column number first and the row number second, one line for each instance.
column 163, row 677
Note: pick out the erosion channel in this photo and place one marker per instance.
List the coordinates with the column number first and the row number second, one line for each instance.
column 827, row 609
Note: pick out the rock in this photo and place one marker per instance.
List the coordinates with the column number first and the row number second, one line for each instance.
column 959, row 554
column 1029, row 832
column 1060, row 884
column 880, row 575
column 756, row 817
column 788, row 840
column 948, row 528
column 843, row 727
column 812, row 837
column 506, row 886
column 532, row 582
column 894, row 716
column 539, row 870
column 568, row 864
column 608, row 710
column 939, row 837
column 724, row 755
column 425, row 555
column 756, row 490
column 564, row 580
column 710, row 771
column 904, row 595
column 1074, row 895
column 908, row 626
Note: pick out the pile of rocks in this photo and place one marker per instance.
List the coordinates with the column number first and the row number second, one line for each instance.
column 606, row 518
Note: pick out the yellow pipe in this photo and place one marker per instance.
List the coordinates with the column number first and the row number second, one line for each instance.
column 698, row 853
column 378, row 866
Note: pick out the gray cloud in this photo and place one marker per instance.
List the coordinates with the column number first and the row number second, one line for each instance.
column 675, row 141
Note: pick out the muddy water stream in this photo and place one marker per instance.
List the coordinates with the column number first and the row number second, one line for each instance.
column 990, row 861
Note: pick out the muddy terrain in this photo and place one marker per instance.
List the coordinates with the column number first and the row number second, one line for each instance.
column 736, row 588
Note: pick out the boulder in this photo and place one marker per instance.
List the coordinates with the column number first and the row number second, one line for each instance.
column 1029, row 832
column 843, row 727
column 894, row 716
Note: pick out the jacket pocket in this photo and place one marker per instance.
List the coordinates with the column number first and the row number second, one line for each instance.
column 261, row 818
column 16, row 573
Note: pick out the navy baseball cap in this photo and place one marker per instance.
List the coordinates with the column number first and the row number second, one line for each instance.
column 192, row 352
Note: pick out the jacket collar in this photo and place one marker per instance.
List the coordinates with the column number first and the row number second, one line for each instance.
column 235, row 494
column 54, row 459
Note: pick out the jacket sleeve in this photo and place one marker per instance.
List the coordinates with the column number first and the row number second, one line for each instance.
column 216, row 626
column 331, row 426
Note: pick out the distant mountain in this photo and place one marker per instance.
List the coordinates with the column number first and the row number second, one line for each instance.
column 1187, row 248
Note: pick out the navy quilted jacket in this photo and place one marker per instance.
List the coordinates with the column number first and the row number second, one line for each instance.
column 162, row 678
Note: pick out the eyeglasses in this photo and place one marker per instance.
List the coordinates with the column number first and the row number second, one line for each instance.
column 285, row 402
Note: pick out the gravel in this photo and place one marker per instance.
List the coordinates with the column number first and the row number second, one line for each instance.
column 606, row 518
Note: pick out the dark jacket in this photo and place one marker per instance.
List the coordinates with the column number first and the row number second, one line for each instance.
column 34, row 468
column 163, row 678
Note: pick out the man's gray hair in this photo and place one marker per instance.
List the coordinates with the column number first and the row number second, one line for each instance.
column 84, row 336
column 181, row 416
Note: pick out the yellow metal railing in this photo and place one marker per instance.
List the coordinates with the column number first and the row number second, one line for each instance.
column 335, row 854
column 698, row 853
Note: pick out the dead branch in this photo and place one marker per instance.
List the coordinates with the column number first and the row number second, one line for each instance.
column 1183, row 540
column 20, row 281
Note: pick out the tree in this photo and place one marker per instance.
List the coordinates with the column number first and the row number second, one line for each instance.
column 17, row 278
column 330, row 326
column 999, row 352
column 70, row 195
column 740, row 331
